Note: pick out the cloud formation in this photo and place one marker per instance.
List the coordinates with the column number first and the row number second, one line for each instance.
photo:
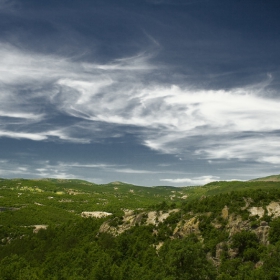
column 201, row 180
column 51, row 98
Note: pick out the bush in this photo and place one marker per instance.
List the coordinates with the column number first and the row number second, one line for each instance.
column 274, row 232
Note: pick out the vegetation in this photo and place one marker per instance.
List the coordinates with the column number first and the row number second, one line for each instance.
column 223, row 230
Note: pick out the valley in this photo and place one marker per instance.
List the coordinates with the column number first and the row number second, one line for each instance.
column 73, row 229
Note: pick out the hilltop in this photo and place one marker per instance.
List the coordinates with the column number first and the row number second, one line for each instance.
column 272, row 178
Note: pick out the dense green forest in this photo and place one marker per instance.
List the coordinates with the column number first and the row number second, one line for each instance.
column 73, row 229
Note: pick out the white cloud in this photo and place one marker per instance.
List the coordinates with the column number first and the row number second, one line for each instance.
column 38, row 169
column 202, row 180
column 20, row 115
column 134, row 171
column 29, row 82
column 22, row 135
column 92, row 165
column 63, row 134
column 262, row 148
column 270, row 159
column 59, row 134
column 169, row 119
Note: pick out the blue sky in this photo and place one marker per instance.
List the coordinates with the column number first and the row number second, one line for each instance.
column 151, row 92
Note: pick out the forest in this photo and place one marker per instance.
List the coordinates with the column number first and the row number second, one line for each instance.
column 223, row 230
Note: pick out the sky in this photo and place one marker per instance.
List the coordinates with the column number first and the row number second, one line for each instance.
column 149, row 92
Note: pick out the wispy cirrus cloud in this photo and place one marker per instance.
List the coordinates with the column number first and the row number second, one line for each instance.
column 135, row 171
column 19, row 115
column 260, row 147
column 46, row 169
column 69, row 169
column 47, row 135
column 238, row 123
column 112, row 168
column 22, row 135
column 40, row 87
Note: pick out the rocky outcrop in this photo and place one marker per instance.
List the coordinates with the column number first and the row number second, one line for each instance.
column 273, row 209
column 130, row 219
column 189, row 224
column 262, row 232
column 39, row 227
column 248, row 201
column 256, row 211
column 159, row 245
column 236, row 224
column 95, row 214
column 232, row 252
column 185, row 228
column 225, row 213
column 220, row 248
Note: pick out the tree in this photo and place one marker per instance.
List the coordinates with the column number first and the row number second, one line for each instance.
column 185, row 259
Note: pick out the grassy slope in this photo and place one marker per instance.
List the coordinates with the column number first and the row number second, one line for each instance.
column 272, row 178
column 55, row 201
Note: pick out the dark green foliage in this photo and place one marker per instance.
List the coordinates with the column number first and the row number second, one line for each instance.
column 73, row 248
column 274, row 233
column 57, row 253
column 271, row 266
column 185, row 259
column 244, row 240
column 211, row 235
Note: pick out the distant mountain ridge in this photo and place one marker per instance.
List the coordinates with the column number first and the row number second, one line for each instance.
column 270, row 178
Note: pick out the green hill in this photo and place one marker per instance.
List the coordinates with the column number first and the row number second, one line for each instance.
column 272, row 178
column 74, row 229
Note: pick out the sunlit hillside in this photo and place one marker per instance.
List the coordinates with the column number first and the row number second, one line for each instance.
column 73, row 229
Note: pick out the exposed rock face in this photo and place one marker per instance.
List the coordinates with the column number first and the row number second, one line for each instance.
column 256, row 211
column 259, row 264
column 235, row 225
column 220, row 248
column 225, row 213
column 164, row 216
column 130, row 219
column 186, row 228
column 152, row 216
column 232, row 223
column 156, row 217
column 38, row 227
column 232, row 252
column 248, row 201
column 273, row 209
column 158, row 246
column 95, row 214
column 105, row 227
column 262, row 232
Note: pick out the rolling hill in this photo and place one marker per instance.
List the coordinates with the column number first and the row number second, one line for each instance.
column 74, row 229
